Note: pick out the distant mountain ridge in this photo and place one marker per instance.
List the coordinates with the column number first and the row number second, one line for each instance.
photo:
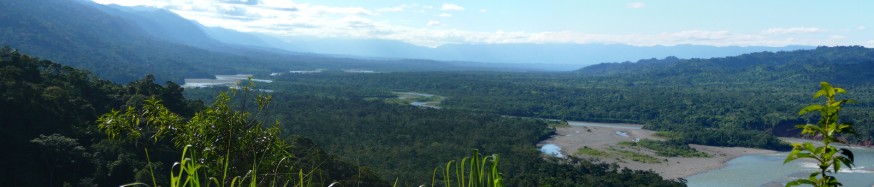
column 842, row 65
column 162, row 24
column 548, row 53
column 123, row 44
column 81, row 34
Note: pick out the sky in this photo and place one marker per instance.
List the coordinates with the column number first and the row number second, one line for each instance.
column 639, row 23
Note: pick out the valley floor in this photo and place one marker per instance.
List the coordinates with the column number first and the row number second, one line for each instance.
column 603, row 143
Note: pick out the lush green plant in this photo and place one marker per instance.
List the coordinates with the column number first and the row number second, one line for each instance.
column 671, row 148
column 189, row 173
column 633, row 156
column 224, row 141
column 474, row 171
column 829, row 128
column 591, row 152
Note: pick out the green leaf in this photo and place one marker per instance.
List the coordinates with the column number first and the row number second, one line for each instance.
column 809, row 147
column 847, row 157
column 818, row 94
column 792, row 156
column 813, row 107
column 830, row 92
column 799, row 182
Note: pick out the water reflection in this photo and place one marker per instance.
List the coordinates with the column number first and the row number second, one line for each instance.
column 551, row 149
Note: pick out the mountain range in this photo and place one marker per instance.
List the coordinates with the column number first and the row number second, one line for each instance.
column 843, row 65
column 547, row 53
column 125, row 43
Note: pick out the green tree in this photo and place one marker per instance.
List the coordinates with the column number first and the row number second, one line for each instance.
column 829, row 128
column 60, row 153
column 226, row 141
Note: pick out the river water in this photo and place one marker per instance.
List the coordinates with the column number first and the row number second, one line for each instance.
column 758, row 169
column 769, row 170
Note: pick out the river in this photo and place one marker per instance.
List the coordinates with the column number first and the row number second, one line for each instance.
column 769, row 170
column 754, row 169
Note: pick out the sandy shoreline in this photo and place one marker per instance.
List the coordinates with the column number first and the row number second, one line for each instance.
column 605, row 138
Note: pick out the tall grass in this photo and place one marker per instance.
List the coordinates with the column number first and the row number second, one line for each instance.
column 189, row 173
column 474, row 171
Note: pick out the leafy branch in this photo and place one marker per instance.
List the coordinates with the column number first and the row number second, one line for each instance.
column 829, row 129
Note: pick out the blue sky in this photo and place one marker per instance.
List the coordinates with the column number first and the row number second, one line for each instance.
column 639, row 23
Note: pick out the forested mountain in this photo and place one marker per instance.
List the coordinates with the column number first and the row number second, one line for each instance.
column 124, row 43
column 235, row 37
column 113, row 47
column 841, row 65
column 162, row 24
column 546, row 53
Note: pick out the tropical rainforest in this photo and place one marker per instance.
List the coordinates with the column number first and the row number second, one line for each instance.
column 50, row 114
column 747, row 100
column 344, row 126
column 63, row 92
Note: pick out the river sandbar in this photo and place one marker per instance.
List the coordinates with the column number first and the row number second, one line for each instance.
column 572, row 138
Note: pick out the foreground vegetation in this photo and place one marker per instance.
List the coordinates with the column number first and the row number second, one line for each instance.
column 49, row 115
column 831, row 129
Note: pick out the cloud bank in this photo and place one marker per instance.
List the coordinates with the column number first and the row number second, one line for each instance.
column 452, row 7
column 288, row 19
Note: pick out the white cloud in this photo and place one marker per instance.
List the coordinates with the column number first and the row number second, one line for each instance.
column 483, row 10
column 635, row 5
column 285, row 18
column 447, row 6
column 861, row 28
column 793, row 30
column 406, row 8
column 433, row 23
column 391, row 9
column 444, row 15
column 869, row 43
column 837, row 37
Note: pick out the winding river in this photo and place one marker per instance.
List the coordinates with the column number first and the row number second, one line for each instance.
column 769, row 170
column 757, row 169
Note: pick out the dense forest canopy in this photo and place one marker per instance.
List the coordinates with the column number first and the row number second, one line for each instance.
column 740, row 101
column 49, row 114
column 744, row 100
column 353, row 128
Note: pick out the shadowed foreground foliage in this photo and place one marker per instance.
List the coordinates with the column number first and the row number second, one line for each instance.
column 47, row 121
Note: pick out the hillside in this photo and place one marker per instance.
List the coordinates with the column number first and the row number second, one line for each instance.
column 544, row 54
column 841, row 65
column 47, row 121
